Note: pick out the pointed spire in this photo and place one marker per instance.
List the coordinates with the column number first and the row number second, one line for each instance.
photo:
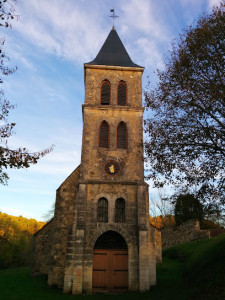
column 113, row 53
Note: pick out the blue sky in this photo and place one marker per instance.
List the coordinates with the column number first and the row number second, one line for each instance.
column 49, row 44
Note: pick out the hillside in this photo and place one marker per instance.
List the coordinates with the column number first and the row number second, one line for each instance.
column 204, row 271
column 15, row 239
column 193, row 271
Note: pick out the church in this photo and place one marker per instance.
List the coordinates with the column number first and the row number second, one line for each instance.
column 100, row 238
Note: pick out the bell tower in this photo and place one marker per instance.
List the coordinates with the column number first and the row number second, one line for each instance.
column 112, row 116
column 100, row 239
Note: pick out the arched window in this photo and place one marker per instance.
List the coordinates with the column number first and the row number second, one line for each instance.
column 103, row 140
column 120, row 210
column 102, row 215
column 122, row 93
column 122, row 136
column 105, row 92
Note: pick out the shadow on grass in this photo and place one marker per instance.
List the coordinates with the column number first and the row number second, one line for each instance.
column 17, row 284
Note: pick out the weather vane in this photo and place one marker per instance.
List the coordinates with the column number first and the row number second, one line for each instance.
column 113, row 16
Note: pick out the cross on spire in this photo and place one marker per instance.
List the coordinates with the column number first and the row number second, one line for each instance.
column 113, row 15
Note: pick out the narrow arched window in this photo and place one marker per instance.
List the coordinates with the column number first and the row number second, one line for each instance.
column 122, row 136
column 103, row 141
column 120, row 210
column 102, row 214
column 105, row 93
column 122, row 93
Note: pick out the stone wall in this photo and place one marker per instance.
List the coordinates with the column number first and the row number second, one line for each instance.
column 158, row 244
column 187, row 232
column 42, row 245
column 216, row 232
column 50, row 242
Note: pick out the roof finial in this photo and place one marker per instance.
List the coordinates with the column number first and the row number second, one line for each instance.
column 113, row 16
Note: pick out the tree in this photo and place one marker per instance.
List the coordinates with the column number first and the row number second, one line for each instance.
column 16, row 234
column 187, row 207
column 10, row 158
column 161, row 209
column 161, row 221
column 185, row 128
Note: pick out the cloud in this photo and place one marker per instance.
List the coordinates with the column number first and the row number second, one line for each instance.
column 77, row 30
column 67, row 31
column 65, row 156
column 140, row 16
column 213, row 3
column 150, row 52
column 16, row 51
column 57, row 163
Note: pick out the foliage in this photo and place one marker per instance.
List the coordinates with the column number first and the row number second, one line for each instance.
column 185, row 128
column 10, row 158
column 7, row 12
column 162, row 221
column 15, row 239
column 207, row 224
column 187, row 207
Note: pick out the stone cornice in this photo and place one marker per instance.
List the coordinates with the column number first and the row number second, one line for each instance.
column 139, row 183
column 118, row 68
column 112, row 107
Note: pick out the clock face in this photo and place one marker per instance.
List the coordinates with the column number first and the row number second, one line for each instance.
column 112, row 168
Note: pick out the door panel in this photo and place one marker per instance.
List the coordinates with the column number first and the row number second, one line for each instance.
column 110, row 271
column 120, row 271
column 100, row 273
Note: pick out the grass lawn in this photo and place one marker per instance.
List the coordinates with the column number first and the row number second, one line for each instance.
column 189, row 272
column 17, row 284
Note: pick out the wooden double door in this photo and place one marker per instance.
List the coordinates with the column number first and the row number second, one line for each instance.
column 110, row 271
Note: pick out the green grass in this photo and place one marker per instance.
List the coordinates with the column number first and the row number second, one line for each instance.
column 203, row 268
column 189, row 272
column 17, row 284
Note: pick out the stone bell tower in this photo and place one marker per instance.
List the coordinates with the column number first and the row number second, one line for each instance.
column 100, row 239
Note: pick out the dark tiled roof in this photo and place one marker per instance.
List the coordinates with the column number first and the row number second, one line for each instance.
column 113, row 53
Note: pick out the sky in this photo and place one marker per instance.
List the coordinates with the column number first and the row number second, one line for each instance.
column 49, row 44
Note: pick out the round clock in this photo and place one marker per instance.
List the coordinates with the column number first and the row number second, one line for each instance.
column 112, row 168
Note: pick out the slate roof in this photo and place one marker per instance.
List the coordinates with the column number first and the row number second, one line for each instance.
column 113, row 53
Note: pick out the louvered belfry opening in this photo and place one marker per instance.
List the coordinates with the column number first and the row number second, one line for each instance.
column 122, row 136
column 105, row 93
column 104, row 135
column 120, row 211
column 122, row 93
column 102, row 214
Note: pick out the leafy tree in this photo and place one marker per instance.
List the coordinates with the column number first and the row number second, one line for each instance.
column 16, row 239
column 10, row 158
column 187, row 207
column 185, row 128
column 162, row 221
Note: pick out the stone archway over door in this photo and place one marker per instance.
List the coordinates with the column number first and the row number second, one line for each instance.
column 110, row 264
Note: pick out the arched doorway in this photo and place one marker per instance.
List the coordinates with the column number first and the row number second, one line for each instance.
column 110, row 264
